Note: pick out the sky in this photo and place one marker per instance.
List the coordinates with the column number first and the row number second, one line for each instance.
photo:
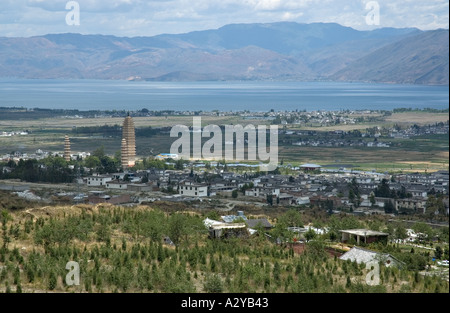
column 131, row 18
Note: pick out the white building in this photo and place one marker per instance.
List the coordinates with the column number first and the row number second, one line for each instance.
column 115, row 184
column 303, row 200
column 193, row 190
column 96, row 181
column 419, row 193
column 417, row 205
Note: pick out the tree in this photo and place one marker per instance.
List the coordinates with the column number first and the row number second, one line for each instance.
column 92, row 162
column 424, row 231
column 383, row 189
column 270, row 199
column 213, row 284
column 292, row 218
column 4, row 219
column 234, row 194
column 351, row 196
column 444, row 234
column 310, row 234
column 246, row 187
column 52, row 281
column 435, row 204
column 401, row 232
column 99, row 152
column 353, row 193
column 372, row 199
column 438, row 252
column 179, row 165
column 178, row 227
column 276, row 271
column 118, row 157
column 213, row 215
column 108, row 164
column 339, row 222
column 389, row 207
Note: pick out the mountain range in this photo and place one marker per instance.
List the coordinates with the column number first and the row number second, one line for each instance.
column 274, row 51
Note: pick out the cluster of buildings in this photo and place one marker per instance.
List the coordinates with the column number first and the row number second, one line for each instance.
column 341, row 143
column 40, row 155
column 14, row 133
column 377, row 137
column 316, row 118
column 312, row 185
column 437, row 129
column 320, row 118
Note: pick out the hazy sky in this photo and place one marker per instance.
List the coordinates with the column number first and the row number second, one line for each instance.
column 24, row 18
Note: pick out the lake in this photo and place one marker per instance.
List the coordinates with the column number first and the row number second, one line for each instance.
column 224, row 96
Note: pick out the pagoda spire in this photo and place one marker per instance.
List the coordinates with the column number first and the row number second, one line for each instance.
column 67, row 152
column 128, row 143
column 124, row 154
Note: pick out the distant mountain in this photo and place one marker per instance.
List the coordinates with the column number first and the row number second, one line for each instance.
column 276, row 51
column 421, row 59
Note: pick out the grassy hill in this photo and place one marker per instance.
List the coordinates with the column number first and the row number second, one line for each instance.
column 122, row 250
column 420, row 59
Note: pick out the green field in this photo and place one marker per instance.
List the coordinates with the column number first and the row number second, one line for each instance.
column 121, row 250
column 424, row 153
column 417, row 154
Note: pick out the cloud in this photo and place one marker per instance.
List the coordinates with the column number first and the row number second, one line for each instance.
column 87, row 5
column 145, row 18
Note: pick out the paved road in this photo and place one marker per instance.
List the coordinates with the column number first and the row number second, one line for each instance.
column 10, row 187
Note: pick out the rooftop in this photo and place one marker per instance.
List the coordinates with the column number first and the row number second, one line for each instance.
column 228, row 226
column 310, row 166
column 252, row 223
column 364, row 232
column 361, row 255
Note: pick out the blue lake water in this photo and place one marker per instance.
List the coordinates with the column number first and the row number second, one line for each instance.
column 225, row 96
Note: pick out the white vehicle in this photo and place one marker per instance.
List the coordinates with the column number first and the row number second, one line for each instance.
column 443, row 263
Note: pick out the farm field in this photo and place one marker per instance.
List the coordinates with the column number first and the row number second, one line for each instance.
column 421, row 153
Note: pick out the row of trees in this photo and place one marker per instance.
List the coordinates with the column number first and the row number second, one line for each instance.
column 383, row 191
column 51, row 170
column 124, row 250
column 55, row 169
column 209, row 268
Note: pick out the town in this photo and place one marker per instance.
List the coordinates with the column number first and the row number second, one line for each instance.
column 307, row 185
column 336, row 210
column 175, row 179
column 226, row 153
